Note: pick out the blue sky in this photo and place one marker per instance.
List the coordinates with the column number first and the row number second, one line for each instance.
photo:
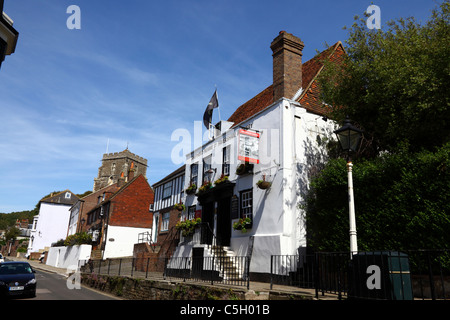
column 136, row 71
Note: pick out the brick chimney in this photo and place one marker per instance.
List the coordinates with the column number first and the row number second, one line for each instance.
column 287, row 65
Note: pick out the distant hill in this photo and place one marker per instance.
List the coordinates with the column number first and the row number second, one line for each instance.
column 9, row 219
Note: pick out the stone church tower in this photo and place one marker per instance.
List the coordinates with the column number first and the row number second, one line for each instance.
column 117, row 166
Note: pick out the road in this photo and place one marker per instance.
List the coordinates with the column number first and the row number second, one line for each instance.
column 52, row 286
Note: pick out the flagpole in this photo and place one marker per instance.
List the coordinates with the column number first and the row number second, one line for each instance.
column 218, row 107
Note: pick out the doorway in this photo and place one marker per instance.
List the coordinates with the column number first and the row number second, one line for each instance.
column 224, row 221
column 208, row 223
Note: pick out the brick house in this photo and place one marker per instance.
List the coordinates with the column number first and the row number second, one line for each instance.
column 165, row 237
column 278, row 136
column 79, row 211
column 119, row 217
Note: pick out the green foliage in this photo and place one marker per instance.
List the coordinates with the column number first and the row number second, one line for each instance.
column 402, row 201
column 188, row 227
column 12, row 234
column 78, row 239
column 9, row 219
column 394, row 83
column 242, row 224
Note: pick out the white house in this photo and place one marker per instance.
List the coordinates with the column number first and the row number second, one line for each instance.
column 51, row 224
column 278, row 136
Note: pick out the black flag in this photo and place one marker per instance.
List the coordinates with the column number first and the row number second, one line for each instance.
column 213, row 103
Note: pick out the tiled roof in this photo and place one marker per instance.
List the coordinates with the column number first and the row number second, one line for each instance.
column 61, row 198
column 253, row 106
column 310, row 97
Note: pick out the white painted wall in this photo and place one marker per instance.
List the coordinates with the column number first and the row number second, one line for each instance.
column 120, row 241
column 51, row 225
column 291, row 148
column 64, row 257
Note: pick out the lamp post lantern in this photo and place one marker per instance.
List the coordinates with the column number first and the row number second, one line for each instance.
column 349, row 138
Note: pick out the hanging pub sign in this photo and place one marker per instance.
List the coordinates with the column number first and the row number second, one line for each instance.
column 248, row 146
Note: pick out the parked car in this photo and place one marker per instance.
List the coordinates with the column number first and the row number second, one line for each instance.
column 1, row 258
column 17, row 278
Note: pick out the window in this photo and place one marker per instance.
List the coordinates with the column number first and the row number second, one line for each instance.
column 191, row 213
column 194, row 173
column 181, row 187
column 167, row 190
column 113, row 168
column 226, row 161
column 206, row 167
column 247, row 204
column 165, row 221
column 67, row 195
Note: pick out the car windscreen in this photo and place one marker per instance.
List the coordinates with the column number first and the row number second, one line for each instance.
column 19, row 268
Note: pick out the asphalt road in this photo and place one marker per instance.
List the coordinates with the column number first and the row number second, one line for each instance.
column 51, row 286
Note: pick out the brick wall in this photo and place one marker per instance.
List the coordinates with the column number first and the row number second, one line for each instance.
column 287, row 65
column 130, row 206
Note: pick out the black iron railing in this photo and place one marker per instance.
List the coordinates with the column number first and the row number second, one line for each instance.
column 230, row 270
column 401, row 274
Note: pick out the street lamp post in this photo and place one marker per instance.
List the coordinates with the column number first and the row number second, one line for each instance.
column 349, row 138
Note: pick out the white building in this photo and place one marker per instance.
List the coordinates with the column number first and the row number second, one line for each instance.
column 281, row 134
column 51, row 224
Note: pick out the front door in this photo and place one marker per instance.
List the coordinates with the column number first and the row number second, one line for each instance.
column 224, row 221
column 208, row 223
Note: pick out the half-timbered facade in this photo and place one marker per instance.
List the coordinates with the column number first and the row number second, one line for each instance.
column 168, row 192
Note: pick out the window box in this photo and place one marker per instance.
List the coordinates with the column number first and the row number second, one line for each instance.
column 191, row 189
column 204, row 188
column 243, row 224
column 244, row 168
column 188, row 227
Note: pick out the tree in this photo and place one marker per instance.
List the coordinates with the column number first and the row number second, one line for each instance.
column 394, row 83
column 402, row 200
column 12, row 234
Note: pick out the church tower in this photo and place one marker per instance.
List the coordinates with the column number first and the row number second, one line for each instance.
column 119, row 166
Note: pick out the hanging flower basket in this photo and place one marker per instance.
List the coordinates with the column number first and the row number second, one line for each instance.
column 179, row 206
column 191, row 189
column 262, row 184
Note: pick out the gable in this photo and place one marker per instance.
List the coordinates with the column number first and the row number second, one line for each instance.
column 130, row 205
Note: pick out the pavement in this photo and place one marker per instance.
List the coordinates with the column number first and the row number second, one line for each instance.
column 257, row 290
